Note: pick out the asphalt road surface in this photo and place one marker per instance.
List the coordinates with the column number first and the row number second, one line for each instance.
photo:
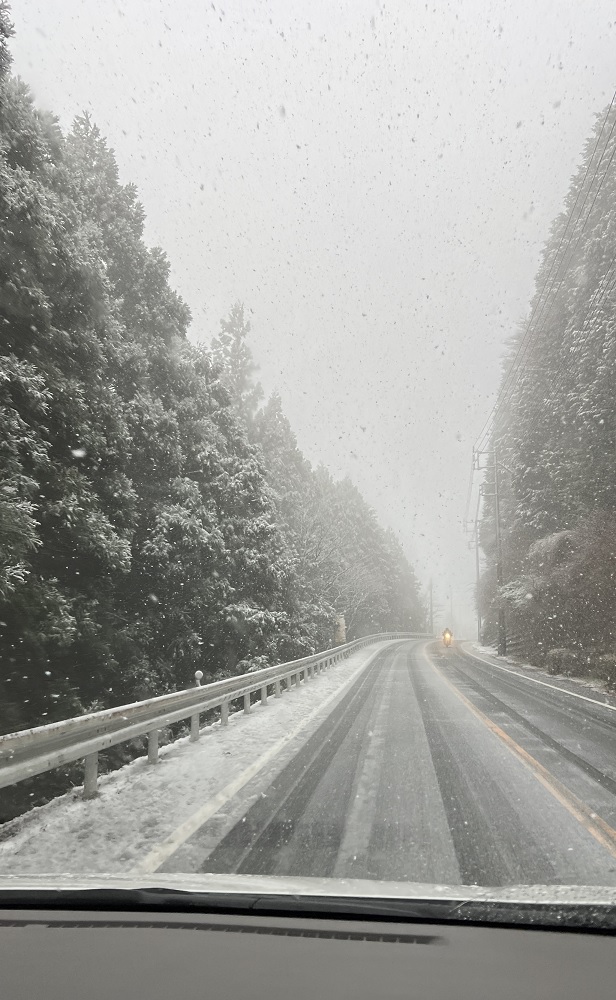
column 438, row 768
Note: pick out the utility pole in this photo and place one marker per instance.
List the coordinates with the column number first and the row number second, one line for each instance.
column 497, row 464
column 431, row 609
column 502, row 627
column 477, row 573
column 474, row 544
column 477, row 583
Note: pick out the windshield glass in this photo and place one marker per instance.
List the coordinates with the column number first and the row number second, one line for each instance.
column 307, row 437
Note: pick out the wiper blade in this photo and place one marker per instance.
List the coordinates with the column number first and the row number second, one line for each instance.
column 453, row 905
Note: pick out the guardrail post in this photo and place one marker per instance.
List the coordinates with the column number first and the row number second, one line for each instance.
column 153, row 746
column 194, row 727
column 111, row 726
column 264, row 695
column 247, row 704
column 90, row 777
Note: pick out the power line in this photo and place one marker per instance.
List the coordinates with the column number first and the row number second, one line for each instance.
column 530, row 345
column 511, row 376
column 604, row 288
column 523, row 348
column 560, row 264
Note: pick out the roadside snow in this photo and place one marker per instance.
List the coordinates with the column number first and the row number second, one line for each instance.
column 143, row 813
column 588, row 687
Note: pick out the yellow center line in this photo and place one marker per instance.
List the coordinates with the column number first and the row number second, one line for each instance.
column 592, row 823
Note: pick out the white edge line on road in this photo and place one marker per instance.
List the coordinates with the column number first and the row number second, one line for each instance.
column 594, row 824
column 525, row 677
column 159, row 854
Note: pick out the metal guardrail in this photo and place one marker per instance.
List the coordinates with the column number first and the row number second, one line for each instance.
column 36, row 751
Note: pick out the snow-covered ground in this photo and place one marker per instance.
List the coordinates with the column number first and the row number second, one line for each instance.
column 589, row 686
column 144, row 814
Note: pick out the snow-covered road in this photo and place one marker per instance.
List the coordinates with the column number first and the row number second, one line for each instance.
column 144, row 814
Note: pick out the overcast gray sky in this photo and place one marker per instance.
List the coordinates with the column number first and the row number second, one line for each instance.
column 374, row 180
